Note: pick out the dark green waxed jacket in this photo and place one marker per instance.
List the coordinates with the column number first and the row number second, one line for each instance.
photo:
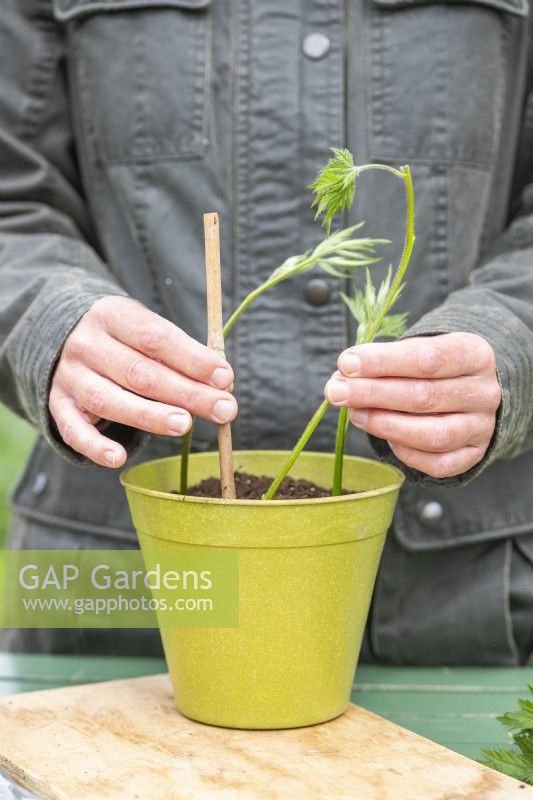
column 122, row 121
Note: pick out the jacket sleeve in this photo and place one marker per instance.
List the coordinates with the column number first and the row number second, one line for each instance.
column 50, row 270
column 497, row 304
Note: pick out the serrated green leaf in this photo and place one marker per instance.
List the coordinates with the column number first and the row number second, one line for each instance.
column 524, row 741
column 518, row 720
column 509, row 762
column 366, row 306
column 337, row 254
column 349, row 263
column 516, row 762
column 355, row 306
column 334, row 187
column 291, row 266
column 346, row 233
column 370, row 292
column 393, row 325
column 336, row 273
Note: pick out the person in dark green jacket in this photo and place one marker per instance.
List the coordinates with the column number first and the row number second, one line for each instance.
column 121, row 122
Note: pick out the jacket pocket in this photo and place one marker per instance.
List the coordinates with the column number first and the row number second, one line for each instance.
column 140, row 71
column 463, row 46
column 497, row 505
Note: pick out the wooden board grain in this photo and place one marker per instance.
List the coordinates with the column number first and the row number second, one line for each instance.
column 124, row 740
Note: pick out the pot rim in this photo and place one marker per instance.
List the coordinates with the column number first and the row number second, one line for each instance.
column 127, row 483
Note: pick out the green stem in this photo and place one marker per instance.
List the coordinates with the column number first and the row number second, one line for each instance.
column 340, row 439
column 255, row 294
column 373, row 328
column 185, row 450
column 243, row 306
column 301, row 443
column 385, row 167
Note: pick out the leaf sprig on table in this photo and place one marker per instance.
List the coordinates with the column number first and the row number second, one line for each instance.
column 517, row 760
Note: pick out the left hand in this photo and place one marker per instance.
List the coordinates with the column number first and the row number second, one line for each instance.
column 433, row 398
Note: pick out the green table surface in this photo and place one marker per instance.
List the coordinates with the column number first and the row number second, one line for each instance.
column 456, row 707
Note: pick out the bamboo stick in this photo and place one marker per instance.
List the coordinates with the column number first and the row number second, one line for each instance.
column 215, row 340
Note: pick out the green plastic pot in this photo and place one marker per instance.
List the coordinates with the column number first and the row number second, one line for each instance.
column 306, row 573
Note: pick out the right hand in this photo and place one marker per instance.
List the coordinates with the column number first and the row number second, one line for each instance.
column 123, row 363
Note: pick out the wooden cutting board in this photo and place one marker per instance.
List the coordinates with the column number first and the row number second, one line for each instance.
column 124, row 740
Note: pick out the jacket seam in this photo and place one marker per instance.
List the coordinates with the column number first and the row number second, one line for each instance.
column 40, row 74
column 494, row 535
column 81, row 8
column 243, row 213
column 66, row 522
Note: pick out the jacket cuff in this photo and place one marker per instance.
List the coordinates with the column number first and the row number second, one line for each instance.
column 46, row 331
column 511, row 342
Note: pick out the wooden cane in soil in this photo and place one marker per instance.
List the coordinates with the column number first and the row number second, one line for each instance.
column 215, row 340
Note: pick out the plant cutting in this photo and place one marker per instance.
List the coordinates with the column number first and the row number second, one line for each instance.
column 307, row 566
column 339, row 254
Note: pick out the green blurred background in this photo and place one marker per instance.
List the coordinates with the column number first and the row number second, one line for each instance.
column 16, row 438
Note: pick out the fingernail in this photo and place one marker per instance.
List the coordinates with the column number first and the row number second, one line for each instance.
column 178, row 423
column 221, row 377
column 337, row 390
column 359, row 417
column 223, row 410
column 350, row 364
column 110, row 457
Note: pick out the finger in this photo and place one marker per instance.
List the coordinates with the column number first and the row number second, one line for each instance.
column 446, row 356
column 156, row 337
column 148, row 378
column 83, row 437
column 439, row 465
column 100, row 396
column 433, row 434
column 415, row 395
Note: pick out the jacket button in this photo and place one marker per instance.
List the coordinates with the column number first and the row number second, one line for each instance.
column 39, row 484
column 317, row 292
column 430, row 514
column 316, row 45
